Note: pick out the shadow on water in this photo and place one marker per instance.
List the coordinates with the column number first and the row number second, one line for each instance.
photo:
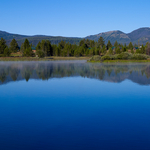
column 15, row 71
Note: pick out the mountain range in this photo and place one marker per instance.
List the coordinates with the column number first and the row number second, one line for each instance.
column 36, row 38
column 141, row 36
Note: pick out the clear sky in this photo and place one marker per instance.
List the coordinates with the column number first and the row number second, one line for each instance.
column 73, row 18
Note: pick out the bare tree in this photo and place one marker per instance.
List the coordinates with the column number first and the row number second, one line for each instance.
column 148, row 49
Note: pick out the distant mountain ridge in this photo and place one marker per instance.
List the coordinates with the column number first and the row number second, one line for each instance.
column 36, row 38
column 141, row 36
column 113, row 36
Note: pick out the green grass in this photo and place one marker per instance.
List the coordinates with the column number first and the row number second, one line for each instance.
column 126, row 61
column 92, row 61
column 121, row 61
column 41, row 59
column 18, row 54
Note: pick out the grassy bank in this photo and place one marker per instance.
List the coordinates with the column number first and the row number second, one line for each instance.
column 126, row 61
column 13, row 58
column 121, row 61
column 123, row 57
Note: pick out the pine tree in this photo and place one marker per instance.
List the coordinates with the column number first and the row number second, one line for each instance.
column 110, row 51
column 82, row 42
column 101, row 42
column 87, row 42
column 104, row 49
column 130, row 46
column 116, row 44
column 2, row 46
column 14, row 46
column 38, row 47
column 92, row 43
column 124, row 49
column 109, row 45
column 26, row 49
column 143, row 51
column 26, row 44
column 125, row 45
column 45, row 46
column 118, row 50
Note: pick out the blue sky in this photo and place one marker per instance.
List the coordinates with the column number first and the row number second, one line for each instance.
column 73, row 18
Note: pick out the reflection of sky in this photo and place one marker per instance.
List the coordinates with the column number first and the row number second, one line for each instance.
column 74, row 113
column 77, row 85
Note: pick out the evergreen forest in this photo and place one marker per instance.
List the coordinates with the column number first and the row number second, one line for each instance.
column 85, row 47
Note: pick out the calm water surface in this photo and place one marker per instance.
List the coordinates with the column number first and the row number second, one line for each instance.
column 74, row 105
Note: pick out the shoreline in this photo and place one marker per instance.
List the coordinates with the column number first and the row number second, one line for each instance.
column 53, row 58
column 121, row 61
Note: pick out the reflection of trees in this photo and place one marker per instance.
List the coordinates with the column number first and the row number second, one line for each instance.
column 14, row 72
column 2, row 75
column 109, row 72
column 58, row 70
column 26, row 72
column 44, row 72
column 147, row 72
column 47, row 70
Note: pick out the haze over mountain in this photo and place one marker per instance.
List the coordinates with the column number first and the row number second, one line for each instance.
column 141, row 35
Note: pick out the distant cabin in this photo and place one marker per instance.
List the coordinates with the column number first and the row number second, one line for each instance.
column 135, row 48
column 113, row 48
column 34, row 51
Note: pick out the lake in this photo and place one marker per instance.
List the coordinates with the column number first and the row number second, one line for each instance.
column 74, row 105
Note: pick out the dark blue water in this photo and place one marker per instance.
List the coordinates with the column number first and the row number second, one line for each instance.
column 74, row 106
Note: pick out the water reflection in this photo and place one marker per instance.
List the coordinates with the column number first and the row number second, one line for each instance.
column 15, row 71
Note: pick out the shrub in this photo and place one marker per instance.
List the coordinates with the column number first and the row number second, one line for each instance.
column 107, row 57
column 6, row 52
column 95, row 58
column 139, row 57
column 124, row 56
column 115, row 56
column 40, row 53
column 110, row 57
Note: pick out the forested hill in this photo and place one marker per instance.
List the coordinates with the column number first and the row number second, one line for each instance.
column 37, row 38
column 141, row 35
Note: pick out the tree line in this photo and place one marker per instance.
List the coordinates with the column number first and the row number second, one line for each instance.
column 85, row 47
